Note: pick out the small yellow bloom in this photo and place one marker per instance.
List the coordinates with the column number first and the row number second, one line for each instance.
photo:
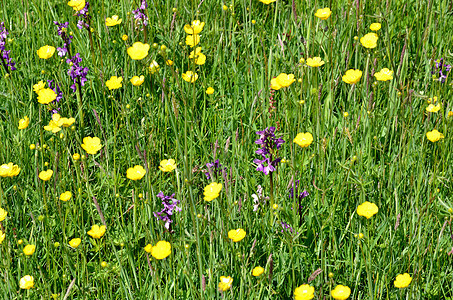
column 45, row 96
column 169, row 62
column 135, row 173
column 138, row 51
column 434, row 135
column 450, row 113
column 369, row 40
column 210, row 90
column 195, row 28
column 212, row 191
column 114, row 83
column 225, row 7
column 39, row 86
column 114, row 20
column 402, row 280
column 345, row 114
column 3, row 214
column 367, row 209
column 29, row 250
column 323, row 13
column 226, row 282
column 97, row 231
column 167, row 165
column 124, row 37
column 2, row 236
column 46, row 52
column 282, row 80
column 192, row 40
column 161, row 250
column 384, row 75
column 341, row 292
column 45, row 175
column 190, row 76
column 137, row 81
column 199, row 57
column 352, row 76
column 236, row 235
column 433, row 108
column 304, row 292
column 9, row 170
column 23, row 123
column 74, row 243
column 91, row 145
column 303, row 139
column 66, row 196
column 375, row 26
column 315, row 62
column 154, row 67
column 257, row 271
column 26, row 282
column 148, row 248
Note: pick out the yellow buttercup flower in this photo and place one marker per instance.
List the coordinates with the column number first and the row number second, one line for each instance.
column 384, row 75
column 114, row 83
column 169, row 62
column 2, row 236
column 45, row 96
column 91, row 144
column 402, row 280
column 257, row 271
column 66, row 122
column 137, row 81
column 210, row 90
column 315, row 62
column 46, row 52
column 265, row 2
column 154, row 67
column 369, row 40
column 53, row 126
column 195, row 28
column 45, row 175
column 39, row 86
column 167, row 165
column 192, row 40
column 114, row 20
column 352, row 76
column 375, row 26
column 212, row 191
column 323, row 13
column 124, row 37
column 135, row 173
column 304, row 292
column 303, row 139
column 226, row 282
column 74, row 243
column 236, row 235
column 190, row 76
column 3, row 214
column 97, row 231
column 56, row 123
column 161, row 250
column 26, row 282
column 66, row 196
column 199, row 57
column 341, row 292
column 148, row 248
column 23, row 123
column 433, row 108
column 138, row 51
column 367, row 209
column 285, row 80
column 9, row 170
column 434, row 135
column 29, row 250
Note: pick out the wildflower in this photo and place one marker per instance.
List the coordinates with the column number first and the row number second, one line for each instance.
column 7, row 62
column 161, row 250
column 46, row 52
column 114, row 83
column 124, row 37
column 84, row 22
column 257, row 271
column 434, row 135
column 77, row 5
column 199, row 57
column 367, row 209
column 29, row 250
column 210, row 90
column 375, row 26
column 154, row 67
column 167, row 165
column 138, row 51
column 352, row 76
column 76, row 72
column 45, row 175
column 450, row 113
column 345, row 114
column 433, row 108
column 315, row 62
column 91, row 144
column 195, row 28
column 212, row 191
column 323, row 13
column 53, row 125
column 190, row 76
column 384, row 75
column 39, row 86
column 402, row 280
column 45, row 96
column 23, row 123
column 139, row 14
column 258, row 198
column 369, row 40
column 170, row 206
column 26, row 282
column 9, row 170
column 169, row 62
column 74, row 243
column 304, row 292
column 2, row 237
column 303, row 139
column 214, row 168
column 97, row 231
column 281, row 81
column 148, row 248
column 341, row 292
column 226, row 282
column 440, row 68
column 66, row 196
column 114, row 20
column 137, row 81
column 192, row 40
column 3, row 214
column 236, row 235
column 62, row 32
column 135, row 173
column 270, row 145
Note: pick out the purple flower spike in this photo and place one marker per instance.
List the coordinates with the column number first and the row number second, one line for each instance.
column 7, row 62
column 62, row 32
column 78, row 74
column 269, row 146
column 170, row 206
column 441, row 69
column 139, row 14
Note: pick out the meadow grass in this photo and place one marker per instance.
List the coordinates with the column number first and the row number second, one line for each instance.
column 369, row 144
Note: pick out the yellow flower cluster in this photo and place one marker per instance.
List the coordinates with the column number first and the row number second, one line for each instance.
column 281, row 81
column 160, row 251
column 57, row 122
